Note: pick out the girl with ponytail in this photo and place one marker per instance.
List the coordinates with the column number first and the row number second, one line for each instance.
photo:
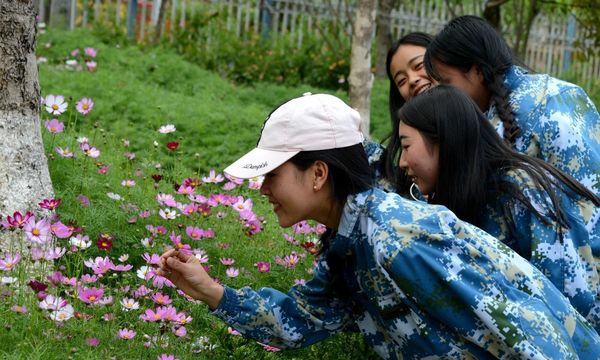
column 536, row 114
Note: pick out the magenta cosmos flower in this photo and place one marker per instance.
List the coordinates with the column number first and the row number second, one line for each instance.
column 84, row 106
column 91, row 295
column 263, row 266
column 54, row 126
column 50, row 204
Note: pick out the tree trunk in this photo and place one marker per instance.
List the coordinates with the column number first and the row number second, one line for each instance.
column 160, row 22
column 492, row 14
column 384, row 34
column 24, row 177
column 361, row 77
column 59, row 13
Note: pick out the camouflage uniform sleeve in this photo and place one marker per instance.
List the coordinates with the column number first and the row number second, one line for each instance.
column 569, row 130
column 305, row 315
column 565, row 256
column 376, row 157
column 462, row 286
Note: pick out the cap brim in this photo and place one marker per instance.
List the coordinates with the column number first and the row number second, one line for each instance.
column 258, row 162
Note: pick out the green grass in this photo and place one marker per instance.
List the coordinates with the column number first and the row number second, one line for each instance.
column 136, row 91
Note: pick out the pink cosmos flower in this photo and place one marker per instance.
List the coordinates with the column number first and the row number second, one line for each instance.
column 189, row 209
column 91, row 66
column 91, row 295
column 75, row 52
column 253, row 227
column 185, row 190
column 83, row 200
column 290, row 261
column 232, row 272
column 84, row 106
column 61, row 230
column 89, row 279
column 52, row 303
column 54, row 126
column 302, row 227
column 153, row 259
column 233, row 331
column 270, row 348
column 126, row 334
column 21, row 309
column 299, row 281
column 263, row 266
column 128, row 183
column 201, row 255
column 91, row 52
column 166, row 357
column 161, row 299
column 66, row 153
column 99, row 265
column 9, row 262
column 182, row 318
column 89, row 150
column 242, row 205
column 227, row 261
column 38, row 232
column 93, row 342
column 55, row 104
column 179, row 331
column 213, row 177
column 54, row 253
column 103, row 169
column 255, row 183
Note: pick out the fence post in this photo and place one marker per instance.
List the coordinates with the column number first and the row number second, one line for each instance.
column 131, row 15
column 571, row 29
column 265, row 18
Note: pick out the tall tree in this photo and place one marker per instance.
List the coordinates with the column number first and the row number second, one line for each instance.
column 24, row 177
column 384, row 34
column 361, row 77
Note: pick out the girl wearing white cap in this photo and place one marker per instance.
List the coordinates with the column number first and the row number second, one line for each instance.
column 413, row 278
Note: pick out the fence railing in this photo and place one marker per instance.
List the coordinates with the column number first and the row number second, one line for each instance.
column 550, row 47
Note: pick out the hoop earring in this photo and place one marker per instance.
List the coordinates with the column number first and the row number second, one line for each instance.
column 413, row 185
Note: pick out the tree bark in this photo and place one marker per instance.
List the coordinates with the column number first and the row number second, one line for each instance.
column 361, row 76
column 384, row 34
column 24, row 177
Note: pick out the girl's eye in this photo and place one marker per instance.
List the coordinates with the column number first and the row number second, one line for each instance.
column 401, row 82
column 404, row 147
column 419, row 66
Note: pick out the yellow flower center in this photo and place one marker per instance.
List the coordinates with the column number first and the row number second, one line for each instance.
column 8, row 265
column 92, row 298
column 85, row 106
column 35, row 231
column 54, row 107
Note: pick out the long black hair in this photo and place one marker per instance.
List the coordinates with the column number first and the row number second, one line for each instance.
column 396, row 101
column 470, row 40
column 472, row 157
column 349, row 173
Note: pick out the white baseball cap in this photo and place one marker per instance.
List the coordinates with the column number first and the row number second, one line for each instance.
column 307, row 123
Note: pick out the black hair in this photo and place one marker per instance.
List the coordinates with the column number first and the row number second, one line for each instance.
column 396, row 101
column 349, row 173
column 472, row 157
column 470, row 40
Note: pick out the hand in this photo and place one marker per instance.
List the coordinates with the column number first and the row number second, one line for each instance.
column 187, row 273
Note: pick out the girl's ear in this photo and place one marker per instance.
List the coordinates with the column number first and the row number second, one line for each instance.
column 320, row 172
column 477, row 72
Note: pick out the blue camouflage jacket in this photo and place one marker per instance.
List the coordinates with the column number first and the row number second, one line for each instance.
column 570, row 258
column 421, row 283
column 559, row 124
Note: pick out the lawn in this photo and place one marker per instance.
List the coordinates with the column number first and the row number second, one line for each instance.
column 130, row 187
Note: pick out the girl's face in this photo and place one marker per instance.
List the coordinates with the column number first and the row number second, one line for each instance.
column 419, row 159
column 470, row 82
column 290, row 191
column 408, row 71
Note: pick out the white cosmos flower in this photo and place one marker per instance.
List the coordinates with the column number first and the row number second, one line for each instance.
column 165, row 129
column 55, row 104
column 168, row 214
column 143, row 271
